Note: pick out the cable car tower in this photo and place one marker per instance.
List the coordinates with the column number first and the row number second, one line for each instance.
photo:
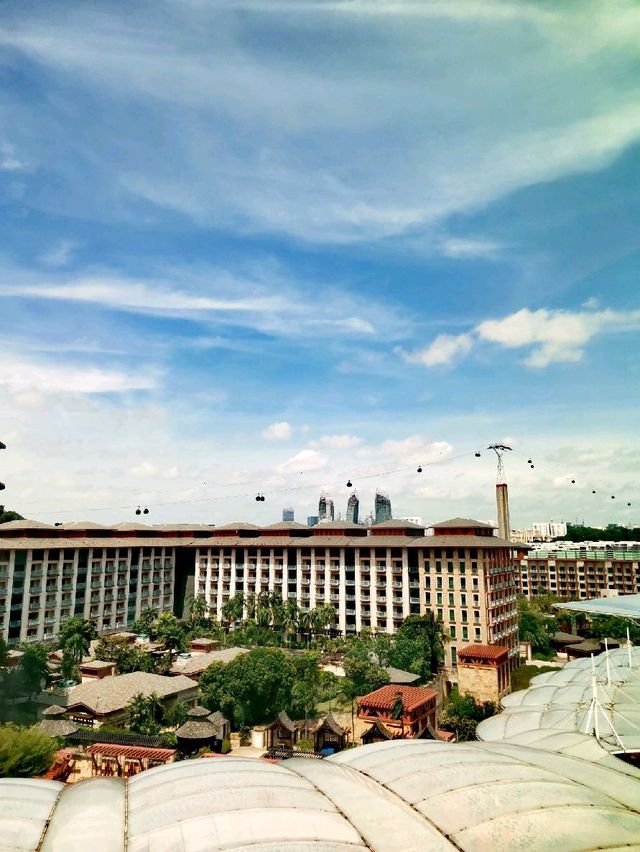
column 502, row 493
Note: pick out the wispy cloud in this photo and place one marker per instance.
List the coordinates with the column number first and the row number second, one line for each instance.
column 21, row 376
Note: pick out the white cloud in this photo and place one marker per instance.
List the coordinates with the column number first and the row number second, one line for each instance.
column 337, row 442
column 414, row 449
column 278, row 432
column 306, row 461
column 554, row 336
column 23, row 376
column 443, row 350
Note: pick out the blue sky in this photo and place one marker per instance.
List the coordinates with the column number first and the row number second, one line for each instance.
column 271, row 246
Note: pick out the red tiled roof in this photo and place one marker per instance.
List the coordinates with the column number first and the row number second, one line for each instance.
column 483, row 652
column 445, row 736
column 132, row 752
column 385, row 697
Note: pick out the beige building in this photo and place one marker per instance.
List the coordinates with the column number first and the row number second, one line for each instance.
column 580, row 571
column 484, row 672
column 374, row 576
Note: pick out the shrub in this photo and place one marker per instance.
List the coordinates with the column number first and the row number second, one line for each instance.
column 24, row 752
column 226, row 747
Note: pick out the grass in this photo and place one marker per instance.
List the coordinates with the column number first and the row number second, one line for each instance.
column 520, row 678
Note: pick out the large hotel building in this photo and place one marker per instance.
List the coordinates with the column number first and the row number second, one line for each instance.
column 374, row 577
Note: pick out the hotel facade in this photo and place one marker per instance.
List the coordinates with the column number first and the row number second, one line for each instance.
column 374, row 577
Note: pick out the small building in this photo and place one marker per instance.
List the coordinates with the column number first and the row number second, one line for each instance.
column 484, row 672
column 198, row 732
column 123, row 761
column 587, row 647
column 97, row 669
column 328, row 736
column 407, row 711
column 203, row 645
column 105, row 701
column 281, row 733
column 378, row 733
column 55, row 723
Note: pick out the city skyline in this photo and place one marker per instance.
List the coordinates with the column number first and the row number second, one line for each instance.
column 275, row 247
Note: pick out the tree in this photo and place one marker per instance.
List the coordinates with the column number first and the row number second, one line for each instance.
column 463, row 714
column 251, row 689
column 24, row 752
column 361, row 674
column 168, row 629
column 7, row 515
column 35, row 669
column 534, row 627
column 145, row 714
column 198, row 613
column 233, row 609
column 178, row 715
column 418, row 645
column 82, row 631
column 127, row 657
column 145, row 620
column 290, row 618
column 69, row 665
column 4, row 653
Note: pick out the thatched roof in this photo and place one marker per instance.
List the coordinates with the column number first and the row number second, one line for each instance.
column 196, row 729
column 57, row 727
column 331, row 723
column 283, row 719
column 54, row 710
column 198, row 712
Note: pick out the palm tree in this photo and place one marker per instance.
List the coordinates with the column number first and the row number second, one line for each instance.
column 305, row 623
column 291, row 617
column 233, row 610
column 263, row 610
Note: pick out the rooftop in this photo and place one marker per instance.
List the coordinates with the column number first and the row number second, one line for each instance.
column 394, row 796
column 483, row 652
column 386, row 696
column 111, row 694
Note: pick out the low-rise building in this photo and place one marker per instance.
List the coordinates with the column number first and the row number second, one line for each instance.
column 484, row 672
column 405, row 711
column 106, row 701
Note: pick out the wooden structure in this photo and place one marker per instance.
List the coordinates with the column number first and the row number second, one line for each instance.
column 202, row 730
column 378, row 733
column 403, row 710
column 281, row 732
column 484, row 672
column 328, row 735
column 109, row 760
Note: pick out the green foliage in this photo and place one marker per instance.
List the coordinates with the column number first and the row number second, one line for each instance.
column 4, row 653
column 69, row 667
column 145, row 714
column 7, row 515
column 24, row 752
column 463, row 714
column 77, row 634
column 419, row 645
column 225, row 747
column 613, row 532
column 305, row 745
column 361, row 675
column 34, row 668
column 146, row 619
column 127, row 657
column 610, row 627
column 166, row 628
column 521, row 677
column 178, row 715
column 251, row 689
column 534, row 626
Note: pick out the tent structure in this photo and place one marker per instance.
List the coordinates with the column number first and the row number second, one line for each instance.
column 622, row 606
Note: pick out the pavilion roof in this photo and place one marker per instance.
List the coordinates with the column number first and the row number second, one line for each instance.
column 386, row 696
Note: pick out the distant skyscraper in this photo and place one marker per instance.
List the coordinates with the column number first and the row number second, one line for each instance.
column 288, row 515
column 312, row 520
column 383, row 507
column 325, row 508
column 353, row 508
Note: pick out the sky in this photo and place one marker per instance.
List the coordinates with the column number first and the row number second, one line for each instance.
column 273, row 246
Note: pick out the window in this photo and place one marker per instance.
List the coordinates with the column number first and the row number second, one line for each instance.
column 454, row 656
column 427, row 582
column 450, row 567
column 463, row 583
column 439, row 598
column 427, row 598
column 440, row 615
column 461, row 567
column 463, row 600
column 452, row 631
column 465, row 633
column 451, row 582
column 438, row 567
column 438, row 582
column 452, row 615
column 451, row 600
